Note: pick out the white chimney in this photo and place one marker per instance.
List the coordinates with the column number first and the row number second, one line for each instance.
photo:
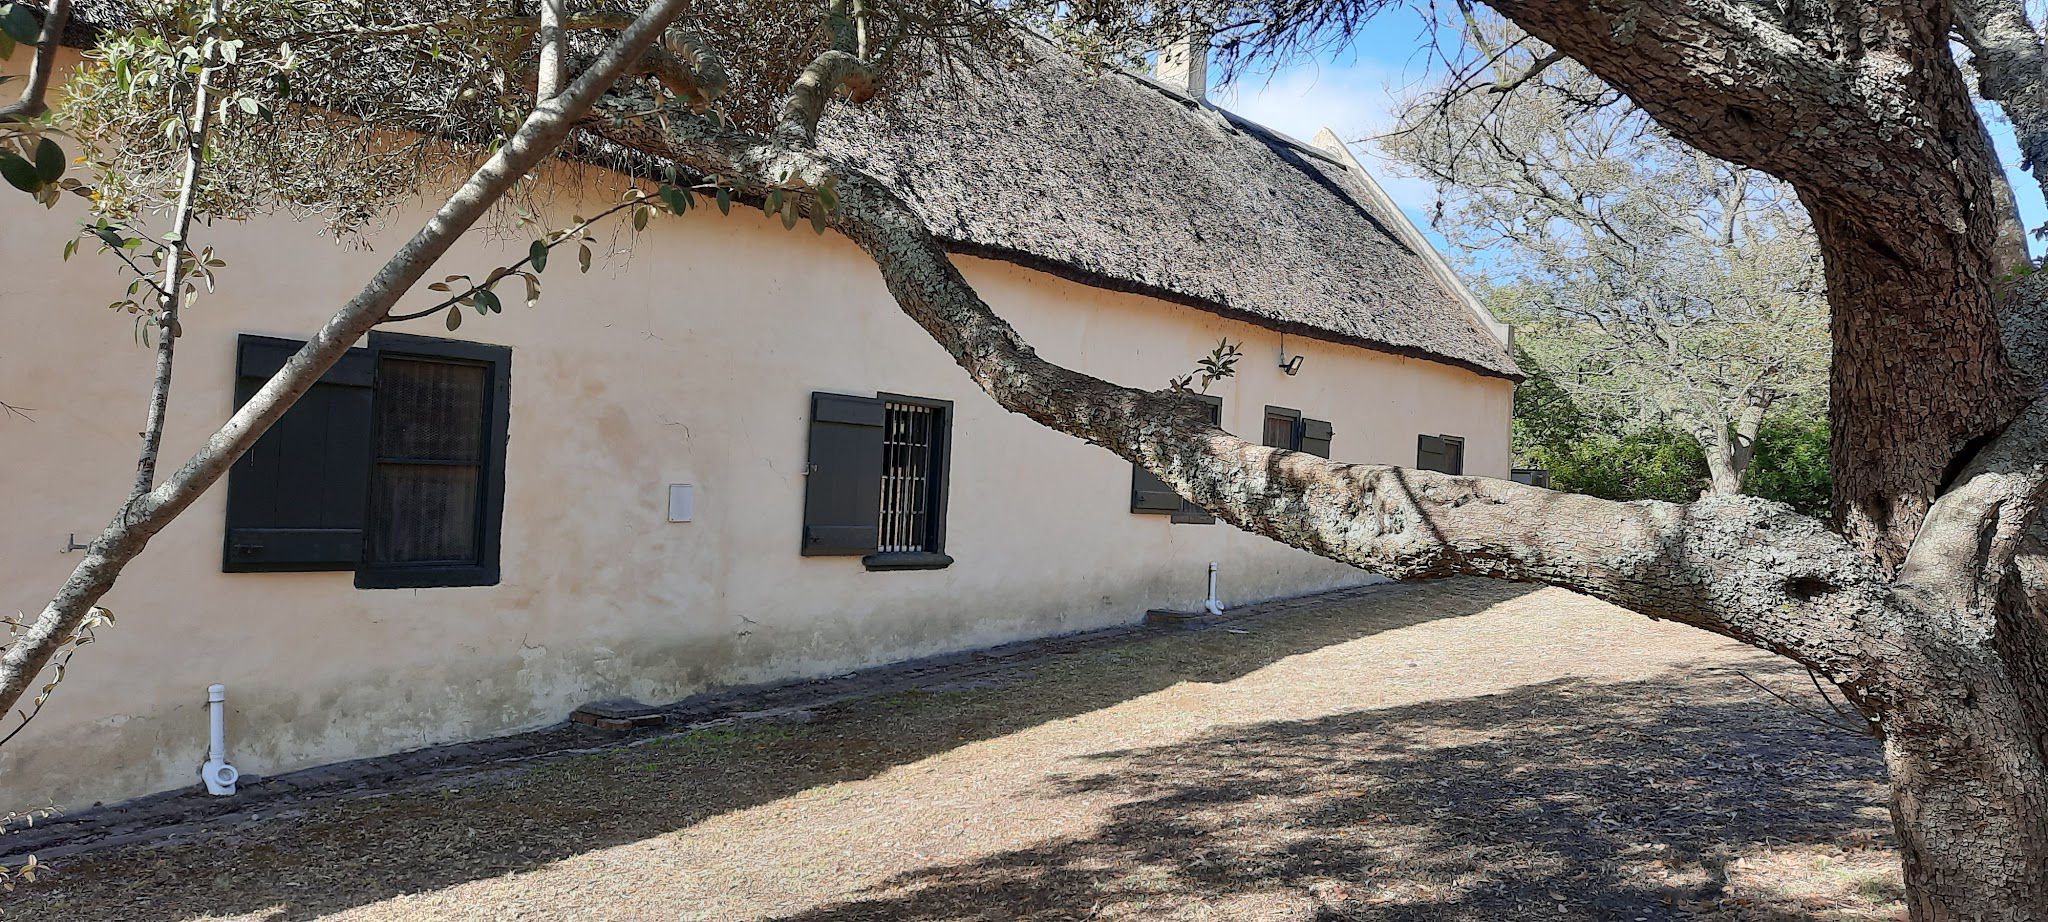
column 1184, row 64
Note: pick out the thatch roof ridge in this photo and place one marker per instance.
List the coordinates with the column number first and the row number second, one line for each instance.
column 1118, row 181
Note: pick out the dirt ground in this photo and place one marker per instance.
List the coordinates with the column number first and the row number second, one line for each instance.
column 1460, row 750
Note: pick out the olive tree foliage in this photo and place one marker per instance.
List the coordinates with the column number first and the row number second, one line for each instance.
column 1650, row 280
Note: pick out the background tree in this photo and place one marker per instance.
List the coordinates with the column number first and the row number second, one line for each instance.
column 1926, row 602
column 1652, row 282
column 1600, row 452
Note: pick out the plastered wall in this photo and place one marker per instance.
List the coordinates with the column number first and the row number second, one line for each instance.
column 689, row 360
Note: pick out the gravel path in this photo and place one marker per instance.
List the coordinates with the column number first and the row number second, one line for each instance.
column 1459, row 750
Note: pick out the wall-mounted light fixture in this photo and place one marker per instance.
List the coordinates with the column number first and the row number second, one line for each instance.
column 1291, row 366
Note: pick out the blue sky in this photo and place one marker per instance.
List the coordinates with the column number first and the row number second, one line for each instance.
column 1354, row 93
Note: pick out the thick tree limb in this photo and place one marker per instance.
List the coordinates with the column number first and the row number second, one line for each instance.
column 1737, row 566
column 32, row 102
column 1973, row 533
column 132, row 528
column 2011, row 60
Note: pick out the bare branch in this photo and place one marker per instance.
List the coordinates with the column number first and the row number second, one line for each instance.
column 805, row 103
column 31, row 103
column 1536, row 69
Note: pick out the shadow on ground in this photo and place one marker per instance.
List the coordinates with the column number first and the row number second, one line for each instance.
column 318, row 859
column 1566, row 799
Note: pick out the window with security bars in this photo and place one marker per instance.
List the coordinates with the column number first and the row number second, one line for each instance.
column 392, row 465
column 875, row 486
column 909, row 451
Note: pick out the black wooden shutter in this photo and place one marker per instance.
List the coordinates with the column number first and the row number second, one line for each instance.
column 1315, row 437
column 1454, row 455
column 1150, row 495
column 1429, row 453
column 843, row 492
column 296, row 498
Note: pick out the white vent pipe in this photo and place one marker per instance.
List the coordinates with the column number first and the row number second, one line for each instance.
column 1212, row 605
column 217, row 773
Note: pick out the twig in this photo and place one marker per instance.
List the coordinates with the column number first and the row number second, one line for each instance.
column 1814, row 715
column 499, row 276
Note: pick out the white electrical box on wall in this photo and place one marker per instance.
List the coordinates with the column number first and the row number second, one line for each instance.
column 682, row 502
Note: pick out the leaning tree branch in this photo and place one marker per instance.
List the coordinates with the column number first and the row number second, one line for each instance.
column 805, row 102
column 1738, row 566
column 133, row 526
column 32, row 102
column 2011, row 60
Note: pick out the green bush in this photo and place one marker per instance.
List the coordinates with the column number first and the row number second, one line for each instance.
column 1618, row 459
column 1791, row 463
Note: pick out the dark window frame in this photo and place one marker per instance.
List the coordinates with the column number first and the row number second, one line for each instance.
column 491, row 504
column 1448, row 442
column 1293, row 418
column 938, row 483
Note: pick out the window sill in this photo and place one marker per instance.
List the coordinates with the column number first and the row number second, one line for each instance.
column 907, row 560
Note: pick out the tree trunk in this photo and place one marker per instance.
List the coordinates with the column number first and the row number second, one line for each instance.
column 1970, row 792
column 1725, row 472
column 1918, row 370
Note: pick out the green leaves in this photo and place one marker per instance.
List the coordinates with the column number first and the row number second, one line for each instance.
column 49, row 161
column 19, row 173
column 724, row 200
column 19, row 24
column 537, row 254
column 678, row 200
column 487, row 303
column 40, row 177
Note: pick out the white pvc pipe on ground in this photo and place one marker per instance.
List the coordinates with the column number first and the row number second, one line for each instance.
column 217, row 773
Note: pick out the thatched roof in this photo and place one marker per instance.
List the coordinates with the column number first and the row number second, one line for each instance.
column 1117, row 182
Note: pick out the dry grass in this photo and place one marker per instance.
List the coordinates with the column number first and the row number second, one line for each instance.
column 1459, row 750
